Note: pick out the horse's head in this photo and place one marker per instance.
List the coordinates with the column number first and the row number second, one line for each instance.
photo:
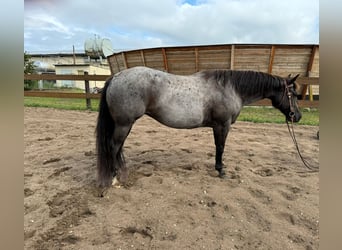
column 286, row 99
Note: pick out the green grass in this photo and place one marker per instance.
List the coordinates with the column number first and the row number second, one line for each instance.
column 272, row 115
column 60, row 103
column 250, row 114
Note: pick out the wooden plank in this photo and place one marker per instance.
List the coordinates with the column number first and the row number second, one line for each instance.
column 154, row 59
column 252, row 46
column 308, row 80
column 315, row 64
column 142, row 57
column 312, row 57
column 61, row 95
column 166, row 66
column 183, row 68
column 309, row 68
column 213, row 65
column 232, row 57
column 87, row 91
column 263, row 102
column 133, row 59
column 110, row 60
column 252, row 58
column 124, row 59
column 270, row 65
column 301, row 103
column 196, row 60
column 294, row 46
column 66, row 77
column 117, row 65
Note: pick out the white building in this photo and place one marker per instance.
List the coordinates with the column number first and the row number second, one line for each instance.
column 79, row 69
column 73, row 63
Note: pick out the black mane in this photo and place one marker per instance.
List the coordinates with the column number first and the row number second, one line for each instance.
column 246, row 83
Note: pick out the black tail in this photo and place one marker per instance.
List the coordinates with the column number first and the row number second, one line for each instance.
column 104, row 141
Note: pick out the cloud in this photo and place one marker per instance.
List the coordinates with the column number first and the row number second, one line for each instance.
column 134, row 24
column 47, row 23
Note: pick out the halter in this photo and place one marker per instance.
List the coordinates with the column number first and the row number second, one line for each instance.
column 291, row 130
column 289, row 95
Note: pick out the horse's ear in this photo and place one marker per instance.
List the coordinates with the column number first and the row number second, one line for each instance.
column 294, row 79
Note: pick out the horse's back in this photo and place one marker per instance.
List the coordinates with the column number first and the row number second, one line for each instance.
column 174, row 100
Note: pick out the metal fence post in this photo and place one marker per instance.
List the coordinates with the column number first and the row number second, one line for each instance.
column 87, row 91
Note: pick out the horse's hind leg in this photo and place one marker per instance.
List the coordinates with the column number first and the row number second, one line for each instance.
column 120, row 134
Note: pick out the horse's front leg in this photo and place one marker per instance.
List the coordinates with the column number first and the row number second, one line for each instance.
column 220, row 135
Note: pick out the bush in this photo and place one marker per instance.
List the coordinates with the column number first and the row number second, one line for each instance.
column 29, row 68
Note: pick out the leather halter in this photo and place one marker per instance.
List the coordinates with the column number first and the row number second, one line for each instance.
column 289, row 95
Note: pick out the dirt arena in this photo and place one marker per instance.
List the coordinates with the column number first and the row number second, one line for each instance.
column 173, row 199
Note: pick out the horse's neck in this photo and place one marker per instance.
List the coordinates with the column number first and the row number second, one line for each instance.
column 255, row 91
column 248, row 99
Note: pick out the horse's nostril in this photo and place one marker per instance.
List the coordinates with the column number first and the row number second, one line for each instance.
column 299, row 116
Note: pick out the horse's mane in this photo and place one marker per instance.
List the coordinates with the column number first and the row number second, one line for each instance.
column 247, row 82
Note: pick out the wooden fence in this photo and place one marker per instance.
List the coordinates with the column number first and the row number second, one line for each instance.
column 306, row 81
column 277, row 59
column 86, row 78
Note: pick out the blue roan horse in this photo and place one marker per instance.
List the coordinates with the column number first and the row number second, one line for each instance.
column 211, row 98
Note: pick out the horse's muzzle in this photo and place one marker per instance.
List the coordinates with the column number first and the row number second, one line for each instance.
column 294, row 116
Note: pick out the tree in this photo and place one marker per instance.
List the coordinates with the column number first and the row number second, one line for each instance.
column 29, row 68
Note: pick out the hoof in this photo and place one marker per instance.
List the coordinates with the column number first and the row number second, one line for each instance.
column 222, row 174
column 116, row 183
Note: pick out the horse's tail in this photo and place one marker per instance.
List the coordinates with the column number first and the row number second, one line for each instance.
column 104, row 141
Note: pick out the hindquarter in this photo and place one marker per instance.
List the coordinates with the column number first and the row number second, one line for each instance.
column 126, row 98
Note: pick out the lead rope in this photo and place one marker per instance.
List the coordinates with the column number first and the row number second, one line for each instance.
column 292, row 134
column 291, row 131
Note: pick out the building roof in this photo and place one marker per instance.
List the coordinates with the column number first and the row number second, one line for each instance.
column 58, row 54
column 72, row 65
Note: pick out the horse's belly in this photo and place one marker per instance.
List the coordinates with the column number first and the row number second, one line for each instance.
column 179, row 105
column 179, row 117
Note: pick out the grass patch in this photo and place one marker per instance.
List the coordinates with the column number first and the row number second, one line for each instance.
column 272, row 115
column 250, row 114
column 60, row 103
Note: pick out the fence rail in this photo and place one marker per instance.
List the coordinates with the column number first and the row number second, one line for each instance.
column 84, row 77
column 306, row 81
column 61, row 94
column 300, row 80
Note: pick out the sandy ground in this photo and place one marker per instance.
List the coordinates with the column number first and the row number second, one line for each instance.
column 173, row 199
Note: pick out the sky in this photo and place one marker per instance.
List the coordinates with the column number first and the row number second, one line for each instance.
column 52, row 26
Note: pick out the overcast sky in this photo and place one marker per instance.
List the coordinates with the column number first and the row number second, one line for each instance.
column 55, row 26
